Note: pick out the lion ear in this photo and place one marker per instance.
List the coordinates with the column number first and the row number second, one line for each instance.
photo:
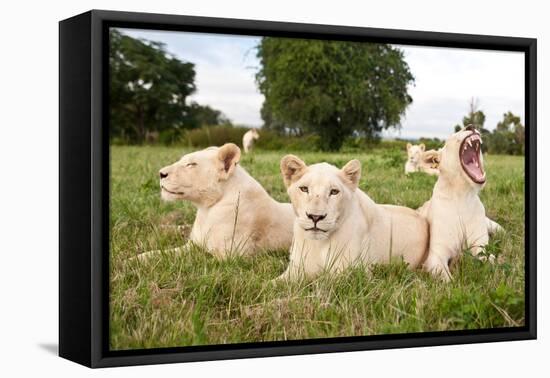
column 432, row 158
column 292, row 169
column 422, row 146
column 409, row 146
column 351, row 173
column 228, row 155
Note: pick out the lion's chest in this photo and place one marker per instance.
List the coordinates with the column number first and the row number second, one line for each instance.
column 461, row 220
column 342, row 249
column 216, row 229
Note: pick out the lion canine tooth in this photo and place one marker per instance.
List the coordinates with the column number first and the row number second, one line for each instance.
column 470, row 142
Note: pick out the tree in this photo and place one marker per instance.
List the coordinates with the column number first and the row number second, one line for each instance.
column 204, row 115
column 509, row 135
column 272, row 123
column 510, row 122
column 333, row 88
column 148, row 88
column 474, row 117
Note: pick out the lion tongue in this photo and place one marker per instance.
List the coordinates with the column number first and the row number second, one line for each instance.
column 471, row 161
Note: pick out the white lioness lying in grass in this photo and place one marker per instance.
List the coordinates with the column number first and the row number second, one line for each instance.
column 235, row 215
column 338, row 225
column 419, row 160
column 455, row 212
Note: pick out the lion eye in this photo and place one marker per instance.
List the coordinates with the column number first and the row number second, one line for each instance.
column 191, row 164
column 304, row 189
column 334, row 192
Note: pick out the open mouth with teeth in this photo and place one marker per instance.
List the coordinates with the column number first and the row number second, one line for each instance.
column 470, row 158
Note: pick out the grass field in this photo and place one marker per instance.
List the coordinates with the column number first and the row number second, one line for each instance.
column 194, row 299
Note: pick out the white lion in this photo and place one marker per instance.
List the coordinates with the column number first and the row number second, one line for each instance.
column 420, row 160
column 455, row 212
column 338, row 225
column 248, row 139
column 235, row 215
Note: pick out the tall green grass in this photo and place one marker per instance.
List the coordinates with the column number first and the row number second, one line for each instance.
column 194, row 299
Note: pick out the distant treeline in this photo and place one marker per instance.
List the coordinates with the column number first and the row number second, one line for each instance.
column 272, row 140
column 499, row 141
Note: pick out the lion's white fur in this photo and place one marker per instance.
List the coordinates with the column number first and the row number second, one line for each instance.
column 248, row 139
column 420, row 160
column 356, row 229
column 455, row 212
column 235, row 215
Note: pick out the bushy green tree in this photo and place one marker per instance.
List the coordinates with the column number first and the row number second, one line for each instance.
column 475, row 117
column 272, row 123
column 148, row 88
column 508, row 137
column 333, row 88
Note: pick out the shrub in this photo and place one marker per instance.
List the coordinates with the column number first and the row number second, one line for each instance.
column 214, row 136
column 169, row 137
column 393, row 157
column 432, row 143
column 269, row 140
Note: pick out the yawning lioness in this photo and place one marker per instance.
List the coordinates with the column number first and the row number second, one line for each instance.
column 455, row 212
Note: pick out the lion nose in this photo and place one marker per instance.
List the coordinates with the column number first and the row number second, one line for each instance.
column 163, row 174
column 470, row 127
column 316, row 218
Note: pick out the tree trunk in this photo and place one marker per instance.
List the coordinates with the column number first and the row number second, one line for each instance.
column 141, row 130
column 332, row 135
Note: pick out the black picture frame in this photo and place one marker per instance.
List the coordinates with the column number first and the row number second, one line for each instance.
column 84, row 188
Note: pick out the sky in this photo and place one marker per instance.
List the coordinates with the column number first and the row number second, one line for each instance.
column 446, row 79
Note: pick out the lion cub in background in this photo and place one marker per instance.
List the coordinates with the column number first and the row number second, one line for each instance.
column 338, row 225
column 419, row 160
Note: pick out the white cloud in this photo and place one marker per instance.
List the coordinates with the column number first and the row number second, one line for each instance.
column 446, row 80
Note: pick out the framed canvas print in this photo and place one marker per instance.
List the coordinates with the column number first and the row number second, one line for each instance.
column 234, row 188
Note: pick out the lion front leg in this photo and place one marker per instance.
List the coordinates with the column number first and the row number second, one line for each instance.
column 476, row 244
column 147, row 256
column 299, row 267
column 445, row 245
column 437, row 264
column 291, row 274
column 479, row 251
column 493, row 227
column 285, row 277
column 295, row 272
